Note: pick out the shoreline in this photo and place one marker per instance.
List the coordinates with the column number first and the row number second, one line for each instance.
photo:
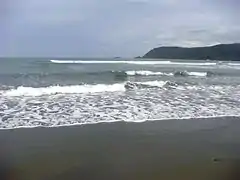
column 170, row 149
column 121, row 121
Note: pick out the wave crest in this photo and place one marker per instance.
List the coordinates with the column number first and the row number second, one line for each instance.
column 80, row 89
column 109, row 62
column 132, row 62
column 146, row 73
column 185, row 73
column 74, row 89
column 177, row 73
column 143, row 85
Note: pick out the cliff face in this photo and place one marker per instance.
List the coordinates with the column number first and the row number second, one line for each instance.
column 217, row 52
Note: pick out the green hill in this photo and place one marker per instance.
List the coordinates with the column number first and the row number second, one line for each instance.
column 217, row 52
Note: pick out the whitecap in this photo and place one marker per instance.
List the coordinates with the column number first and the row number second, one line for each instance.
column 31, row 91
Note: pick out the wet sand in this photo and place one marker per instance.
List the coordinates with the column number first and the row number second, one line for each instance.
column 169, row 150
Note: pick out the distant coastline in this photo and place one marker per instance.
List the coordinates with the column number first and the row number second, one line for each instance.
column 216, row 52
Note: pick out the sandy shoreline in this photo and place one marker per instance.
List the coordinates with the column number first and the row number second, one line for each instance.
column 173, row 149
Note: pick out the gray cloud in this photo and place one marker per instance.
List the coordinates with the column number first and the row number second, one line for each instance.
column 114, row 27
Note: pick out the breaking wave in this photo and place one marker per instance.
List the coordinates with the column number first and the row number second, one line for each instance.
column 147, row 73
column 158, row 103
column 185, row 73
column 144, row 85
column 74, row 89
column 178, row 73
column 109, row 62
column 133, row 62
column 233, row 64
column 80, row 89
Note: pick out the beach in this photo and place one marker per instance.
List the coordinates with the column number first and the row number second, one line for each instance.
column 167, row 149
column 119, row 90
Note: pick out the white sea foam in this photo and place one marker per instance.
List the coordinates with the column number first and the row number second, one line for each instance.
column 74, row 89
column 234, row 64
column 147, row 73
column 135, row 106
column 217, row 117
column 194, row 64
column 132, row 62
column 30, row 91
column 201, row 74
column 151, row 73
column 109, row 62
column 155, row 83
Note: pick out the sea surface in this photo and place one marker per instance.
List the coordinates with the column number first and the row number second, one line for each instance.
column 53, row 92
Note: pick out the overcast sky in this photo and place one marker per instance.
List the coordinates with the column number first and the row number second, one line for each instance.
column 113, row 27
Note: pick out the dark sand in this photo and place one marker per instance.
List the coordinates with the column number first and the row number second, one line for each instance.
column 170, row 150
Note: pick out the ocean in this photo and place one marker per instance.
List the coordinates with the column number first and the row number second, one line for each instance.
column 49, row 92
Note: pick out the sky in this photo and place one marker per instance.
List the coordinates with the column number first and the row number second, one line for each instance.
column 109, row 28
